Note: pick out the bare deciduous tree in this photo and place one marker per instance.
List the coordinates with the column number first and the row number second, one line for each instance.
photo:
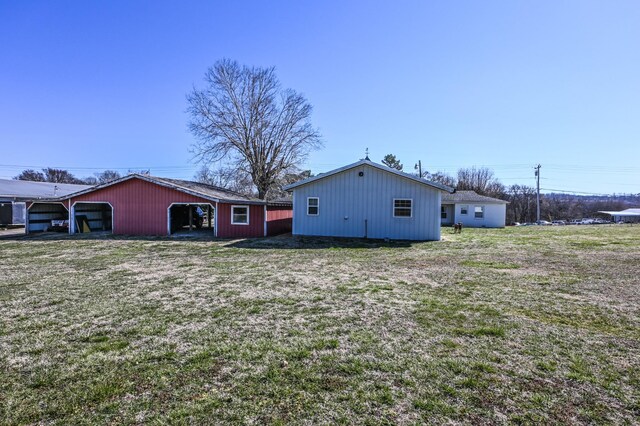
column 107, row 176
column 59, row 176
column 32, row 175
column 227, row 177
column 443, row 178
column 244, row 117
column 522, row 203
column 48, row 174
column 146, row 172
column 481, row 180
column 286, row 179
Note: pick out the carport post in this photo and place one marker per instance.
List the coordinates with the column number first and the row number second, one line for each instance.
column 72, row 224
column 190, row 217
column 215, row 220
column 209, row 214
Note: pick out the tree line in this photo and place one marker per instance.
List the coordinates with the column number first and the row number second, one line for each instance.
column 522, row 198
column 50, row 174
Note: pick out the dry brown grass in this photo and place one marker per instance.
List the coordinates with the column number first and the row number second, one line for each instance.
column 533, row 325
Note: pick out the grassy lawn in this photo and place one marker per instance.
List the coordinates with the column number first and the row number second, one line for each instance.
column 522, row 325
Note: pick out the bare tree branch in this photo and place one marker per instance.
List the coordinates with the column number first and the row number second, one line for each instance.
column 244, row 117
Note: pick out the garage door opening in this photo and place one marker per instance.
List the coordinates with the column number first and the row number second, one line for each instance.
column 92, row 217
column 43, row 217
column 191, row 219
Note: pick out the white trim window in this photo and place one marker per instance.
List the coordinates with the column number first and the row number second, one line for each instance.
column 239, row 215
column 464, row 210
column 313, row 206
column 402, row 207
column 478, row 212
column 443, row 212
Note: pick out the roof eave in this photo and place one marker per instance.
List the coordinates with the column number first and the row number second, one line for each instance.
column 164, row 184
column 398, row 173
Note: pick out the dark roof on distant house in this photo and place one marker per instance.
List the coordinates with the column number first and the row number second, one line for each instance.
column 469, row 197
column 282, row 202
column 367, row 162
column 203, row 190
column 26, row 190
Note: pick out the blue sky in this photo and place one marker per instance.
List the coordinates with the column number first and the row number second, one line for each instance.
column 504, row 84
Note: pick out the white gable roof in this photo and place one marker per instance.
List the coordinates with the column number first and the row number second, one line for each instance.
column 627, row 212
column 29, row 190
column 374, row 165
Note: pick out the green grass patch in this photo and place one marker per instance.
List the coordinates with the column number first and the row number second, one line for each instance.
column 489, row 264
column 533, row 325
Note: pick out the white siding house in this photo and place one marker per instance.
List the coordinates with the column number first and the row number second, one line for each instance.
column 369, row 200
column 473, row 210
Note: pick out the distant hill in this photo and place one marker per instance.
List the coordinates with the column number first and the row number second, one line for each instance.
column 631, row 200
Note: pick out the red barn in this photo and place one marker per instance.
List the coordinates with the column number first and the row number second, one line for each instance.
column 149, row 205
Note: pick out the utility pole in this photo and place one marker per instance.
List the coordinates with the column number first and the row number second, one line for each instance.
column 419, row 167
column 537, row 168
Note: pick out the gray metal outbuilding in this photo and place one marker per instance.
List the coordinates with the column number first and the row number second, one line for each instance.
column 369, row 200
column 629, row 215
column 14, row 194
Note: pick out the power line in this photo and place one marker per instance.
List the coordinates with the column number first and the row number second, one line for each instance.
column 15, row 166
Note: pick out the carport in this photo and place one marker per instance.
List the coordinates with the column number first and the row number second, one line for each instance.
column 149, row 205
column 190, row 218
column 91, row 216
column 40, row 215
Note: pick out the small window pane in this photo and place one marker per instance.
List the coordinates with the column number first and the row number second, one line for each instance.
column 479, row 212
column 464, row 209
column 443, row 212
column 240, row 215
column 313, row 206
column 402, row 208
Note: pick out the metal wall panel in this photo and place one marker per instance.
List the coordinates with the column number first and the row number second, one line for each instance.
column 347, row 200
column 255, row 228
column 279, row 219
column 495, row 215
column 139, row 207
column 19, row 213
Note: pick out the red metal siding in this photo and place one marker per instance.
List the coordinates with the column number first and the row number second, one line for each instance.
column 279, row 219
column 255, row 228
column 139, row 207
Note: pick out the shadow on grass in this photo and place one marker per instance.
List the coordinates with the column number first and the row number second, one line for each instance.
column 104, row 236
column 288, row 241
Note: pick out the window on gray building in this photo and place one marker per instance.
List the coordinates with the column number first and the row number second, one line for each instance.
column 402, row 207
column 313, row 206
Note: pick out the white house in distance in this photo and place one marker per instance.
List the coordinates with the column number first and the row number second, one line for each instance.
column 473, row 210
column 369, row 200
